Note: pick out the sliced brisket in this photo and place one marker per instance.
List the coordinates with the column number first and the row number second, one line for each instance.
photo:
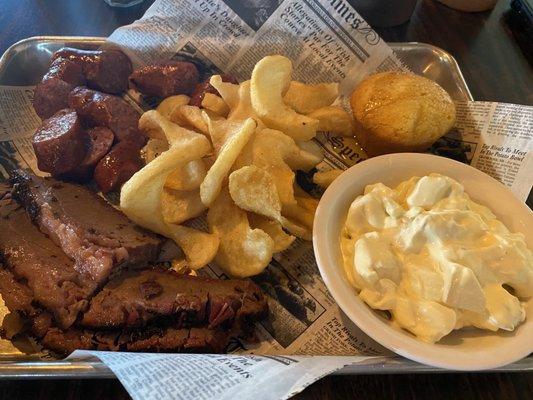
column 136, row 310
column 41, row 265
column 19, row 299
column 136, row 298
column 17, row 296
column 99, row 238
column 168, row 335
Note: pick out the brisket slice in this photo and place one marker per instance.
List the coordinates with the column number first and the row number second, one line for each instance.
column 170, row 337
column 35, row 260
column 100, row 239
column 136, row 298
column 18, row 298
column 194, row 340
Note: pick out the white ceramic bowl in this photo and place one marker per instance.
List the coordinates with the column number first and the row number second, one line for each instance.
column 467, row 349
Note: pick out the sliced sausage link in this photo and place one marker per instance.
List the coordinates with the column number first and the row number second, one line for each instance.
column 118, row 166
column 165, row 79
column 105, row 70
column 101, row 109
column 60, row 143
column 51, row 94
column 98, row 145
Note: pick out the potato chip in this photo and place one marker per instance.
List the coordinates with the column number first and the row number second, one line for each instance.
column 187, row 177
column 334, row 119
column 298, row 217
column 220, row 129
column 210, row 114
column 313, row 148
column 153, row 148
column 157, row 126
column 304, row 199
column 243, row 251
column 304, row 98
column 260, row 133
column 245, row 157
column 270, row 149
column 253, row 189
column 189, row 116
column 233, row 144
column 282, row 240
column 241, row 103
column 140, row 197
column 200, row 248
column 326, row 178
column 243, row 108
column 228, row 91
column 168, row 105
column 279, row 155
column 304, row 156
column 215, row 104
column 151, row 124
column 299, row 214
column 178, row 206
column 271, row 77
column 297, row 229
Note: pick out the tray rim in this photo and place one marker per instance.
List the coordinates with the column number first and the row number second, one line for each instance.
column 101, row 39
column 66, row 369
column 32, row 368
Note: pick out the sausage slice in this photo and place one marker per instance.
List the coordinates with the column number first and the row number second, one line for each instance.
column 118, row 166
column 101, row 109
column 105, row 70
column 60, row 143
column 166, row 78
column 99, row 142
column 51, row 94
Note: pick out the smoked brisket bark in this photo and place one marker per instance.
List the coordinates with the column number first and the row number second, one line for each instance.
column 100, row 239
column 169, row 339
column 46, row 270
column 137, row 298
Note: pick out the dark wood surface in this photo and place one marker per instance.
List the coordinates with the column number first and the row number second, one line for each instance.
column 495, row 69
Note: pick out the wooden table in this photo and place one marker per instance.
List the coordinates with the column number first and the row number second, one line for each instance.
column 495, row 69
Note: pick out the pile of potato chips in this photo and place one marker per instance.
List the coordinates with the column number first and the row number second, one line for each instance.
column 235, row 157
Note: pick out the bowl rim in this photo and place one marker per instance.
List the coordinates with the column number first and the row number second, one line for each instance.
column 363, row 316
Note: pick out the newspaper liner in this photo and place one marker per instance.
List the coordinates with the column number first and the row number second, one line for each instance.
column 327, row 41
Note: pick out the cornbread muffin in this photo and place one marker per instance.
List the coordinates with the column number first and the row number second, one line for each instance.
column 398, row 112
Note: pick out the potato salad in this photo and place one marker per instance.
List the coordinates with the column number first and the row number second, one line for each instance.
column 435, row 259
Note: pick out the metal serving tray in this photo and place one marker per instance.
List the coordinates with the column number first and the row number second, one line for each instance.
column 24, row 64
